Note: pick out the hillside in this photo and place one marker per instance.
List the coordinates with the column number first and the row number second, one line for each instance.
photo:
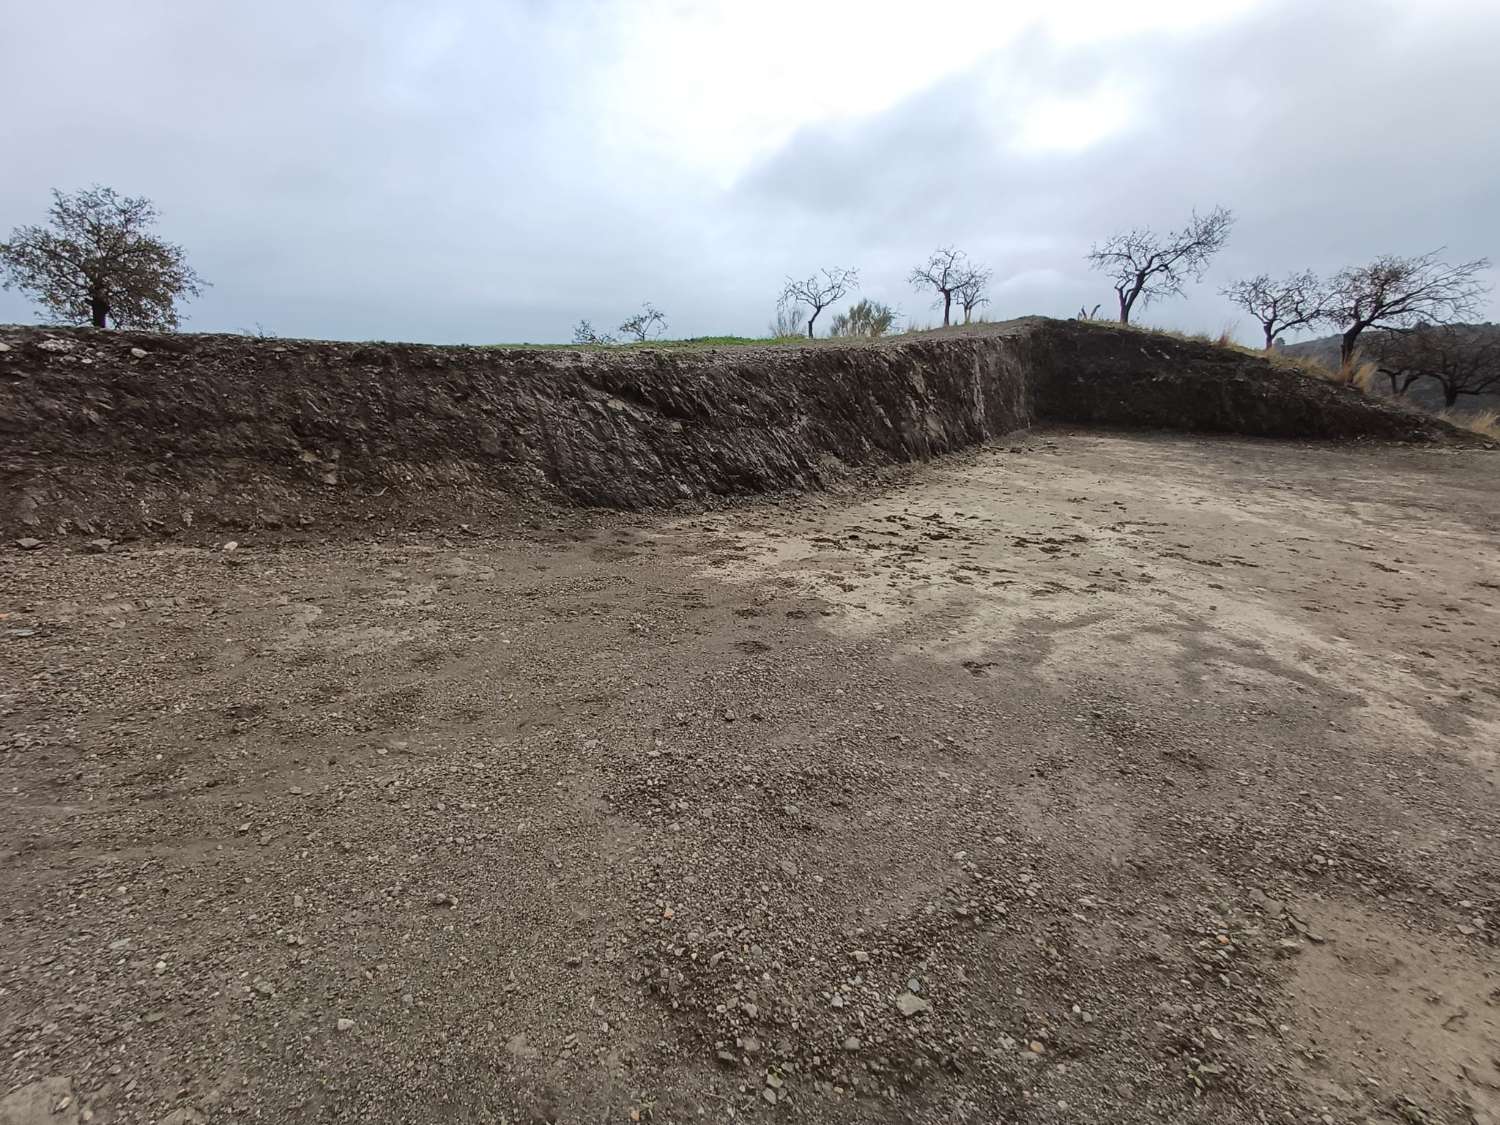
column 1424, row 394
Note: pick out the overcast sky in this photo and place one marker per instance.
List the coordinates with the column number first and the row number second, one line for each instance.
column 484, row 170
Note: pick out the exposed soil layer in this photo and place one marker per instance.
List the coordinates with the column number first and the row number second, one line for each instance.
column 121, row 434
column 1082, row 779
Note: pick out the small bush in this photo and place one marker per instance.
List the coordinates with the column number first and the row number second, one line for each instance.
column 866, row 319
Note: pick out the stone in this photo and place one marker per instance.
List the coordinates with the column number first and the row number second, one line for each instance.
column 909, row 1004
column 139, row 353
column 47, row 1101
column 345, row 1025
column 54, row 345
column 769, row 1094
column 860, row 956
column 99, row 546
column 28, row 544
column 852, row 1043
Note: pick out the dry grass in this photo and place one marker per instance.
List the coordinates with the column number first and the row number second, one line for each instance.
column 1356, row 373
column 1485, row 423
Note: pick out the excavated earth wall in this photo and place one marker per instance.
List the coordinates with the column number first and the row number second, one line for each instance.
column 120, row 434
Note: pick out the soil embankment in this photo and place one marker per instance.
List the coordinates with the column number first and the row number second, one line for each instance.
column 126, row 433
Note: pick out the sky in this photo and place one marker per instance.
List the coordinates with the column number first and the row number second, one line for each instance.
column 474, row 171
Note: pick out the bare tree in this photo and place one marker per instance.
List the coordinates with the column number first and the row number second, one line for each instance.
column 971, row 292
column 650, row 322
column 1145, row 266
column 1085, row 313
column 95, row 263
column 585, row 334
column 1296, row 301
column 1463, row 359
column 817, row 293
column 866, row 318
column 948, row 272
column 1396, row 292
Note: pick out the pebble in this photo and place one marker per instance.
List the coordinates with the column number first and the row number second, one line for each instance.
column 345, row 1025
column 139, row 353
column 852, row 1043
column 28, row 544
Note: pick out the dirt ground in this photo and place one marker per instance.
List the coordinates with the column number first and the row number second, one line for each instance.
column 1085, row 778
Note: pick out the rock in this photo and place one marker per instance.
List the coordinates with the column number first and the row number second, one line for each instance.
column 860, row 956
column 852, row 1043
column 47, row 1101
column 232, row 545
column 4, row 348
column 54, row 345
column 345, row 1025
column 139, row 353
column 769, row 1094
column 909, row 1004
column 99, row 546
column 265, row 988
column 184, row 1116
column 28, row 543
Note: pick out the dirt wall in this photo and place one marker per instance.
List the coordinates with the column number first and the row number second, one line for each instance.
column 121, row 433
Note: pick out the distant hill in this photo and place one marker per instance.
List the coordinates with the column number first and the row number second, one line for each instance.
column 1424, row 393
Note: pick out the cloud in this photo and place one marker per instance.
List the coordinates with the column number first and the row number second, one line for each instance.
column 478, row 171
column 1334, row 132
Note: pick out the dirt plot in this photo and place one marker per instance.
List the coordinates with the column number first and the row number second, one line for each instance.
column 1086, row 778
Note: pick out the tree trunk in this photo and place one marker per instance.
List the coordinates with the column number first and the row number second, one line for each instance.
column 98, row 310
column 1347, row 343
column 1270, row 338
column 1125, row 303
column 947, row 304
column 810, row 322
column 1450, row 395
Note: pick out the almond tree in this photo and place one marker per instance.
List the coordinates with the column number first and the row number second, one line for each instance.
column 1396, row 292
column 949, row 274
column 818, row 292
column 1146, row 266
column 1296, row 301
column 646, row 324
column 96, row 263
column 1463, row 359
column 973, row 292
